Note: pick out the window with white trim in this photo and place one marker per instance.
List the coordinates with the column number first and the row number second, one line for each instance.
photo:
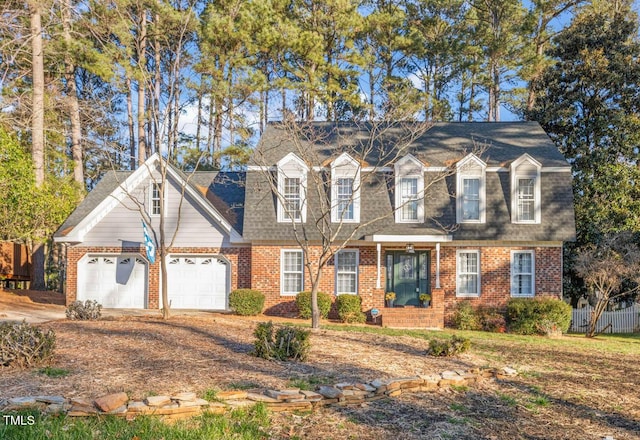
column 409, row 199
column 344, row 198
column 468, row 273
column 154, row 198
column 292, row 198
column 526, row 200
column 291, row 272
column 470, row 192
column 525, row 190
column 409, row 190
column 346, row 262
column 522, row 273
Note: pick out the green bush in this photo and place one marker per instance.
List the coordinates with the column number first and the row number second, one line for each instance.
column 246, row 302
column 24, row 345
column 303, row 301
column 449, row 347
column 538, row 316
column 90, row 310
column 350, row 309
column 465, row 317
column 288, row 343
column 491, row 320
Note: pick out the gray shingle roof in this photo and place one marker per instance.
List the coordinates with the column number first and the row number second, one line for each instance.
column 441, row 145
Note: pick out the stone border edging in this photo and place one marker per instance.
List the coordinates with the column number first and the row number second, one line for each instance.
column 185, row 405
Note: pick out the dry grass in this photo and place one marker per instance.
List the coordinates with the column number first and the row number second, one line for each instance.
column 569, row 388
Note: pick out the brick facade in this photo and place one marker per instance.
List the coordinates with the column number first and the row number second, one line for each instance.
column 238, row 257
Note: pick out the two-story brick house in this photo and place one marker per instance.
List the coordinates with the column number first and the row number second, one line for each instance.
column 464, row 211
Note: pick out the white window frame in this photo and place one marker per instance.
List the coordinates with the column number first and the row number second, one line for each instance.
column 471, row 167
column 514, row 274
column 525, row 167
column 345, row 167
column 409, row 168
column 291, row 166
column 152, row 187
column 282, row 271
column 460, row 294
column 356, row 273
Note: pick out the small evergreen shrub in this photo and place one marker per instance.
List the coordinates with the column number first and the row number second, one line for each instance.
column 303, row 301
column 449, row 347
column 466, row 317
column 246, row 302
column 527, row 316
column 24, row 345
column 492, row 320
column 90, row 310
column 350, row 309
column 287, row 343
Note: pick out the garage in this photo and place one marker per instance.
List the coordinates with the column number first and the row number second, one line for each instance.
column 197, row 282
column 115, row 281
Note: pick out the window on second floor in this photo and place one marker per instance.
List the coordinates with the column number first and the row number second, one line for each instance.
column 292, row 200
column 525, row 190
column 345, row 189
column 344, row 198
column 154, row 199
column 409, row 190
column 291, row 196
column 470, row 193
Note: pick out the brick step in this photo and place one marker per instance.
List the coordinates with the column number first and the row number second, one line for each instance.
column 412, row 317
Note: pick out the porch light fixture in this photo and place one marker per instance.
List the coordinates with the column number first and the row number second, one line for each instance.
column 410, row 249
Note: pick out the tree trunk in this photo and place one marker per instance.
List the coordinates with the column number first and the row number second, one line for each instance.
column 72, row 97
column 199, row 117
column 157, row 85
column 142, row 57
column 37, row 266
column 315, row 310
column 132, row 135
column 37, row 118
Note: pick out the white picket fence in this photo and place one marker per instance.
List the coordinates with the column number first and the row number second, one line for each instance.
column 622, row 321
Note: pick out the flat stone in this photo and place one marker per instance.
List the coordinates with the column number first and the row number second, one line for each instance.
column 284, row 394
column 393, row 393
column 137, row 406
column 258, row 397
column 231, row 395
column 22, row 401
column 325, row 402
column 508, row 371
column 120, row 410
column 172, row 405
column 196, row 402
column 59, row 400
column 55, row 408
column 330, row 392
column 366, row 387
column 158, row 400
column 431, row 379
column 345, row 385
column 80, row 401
column 311, row 395
column 241, row 403
column 289, row 406
column 111, row 401
column 185, row 397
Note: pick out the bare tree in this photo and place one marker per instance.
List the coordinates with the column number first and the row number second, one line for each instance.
column 321, row 221
column 611, row 270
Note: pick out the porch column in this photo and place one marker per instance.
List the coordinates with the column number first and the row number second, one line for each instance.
column 437, row 265
column 379, row 249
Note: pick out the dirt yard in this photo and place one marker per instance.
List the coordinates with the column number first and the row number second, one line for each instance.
column 568, row 388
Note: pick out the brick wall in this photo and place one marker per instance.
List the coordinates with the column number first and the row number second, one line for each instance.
column 239, row 257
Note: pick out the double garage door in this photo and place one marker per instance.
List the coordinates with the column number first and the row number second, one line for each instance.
column 121, row 281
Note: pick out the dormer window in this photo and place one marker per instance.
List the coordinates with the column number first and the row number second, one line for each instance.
column 345, row 190
column 292, row 182
column 525, row 190
column 470, row 193
column 409, row 184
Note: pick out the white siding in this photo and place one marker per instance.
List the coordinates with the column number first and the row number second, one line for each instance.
column 123, row 223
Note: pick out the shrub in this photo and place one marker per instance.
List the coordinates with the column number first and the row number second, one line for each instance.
column 350, row 309
column 465, row 317
column 303, row 301
column 449, row 347
column 288, row 343
column 246, row 302
column 85, row 311
column 24, row 345
column 492, row 320
column 538, row 316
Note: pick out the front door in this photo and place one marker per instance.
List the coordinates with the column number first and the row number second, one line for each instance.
column 408, row 276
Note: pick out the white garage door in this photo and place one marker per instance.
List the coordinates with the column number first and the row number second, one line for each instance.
column 114, row 281
column 196, row 282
